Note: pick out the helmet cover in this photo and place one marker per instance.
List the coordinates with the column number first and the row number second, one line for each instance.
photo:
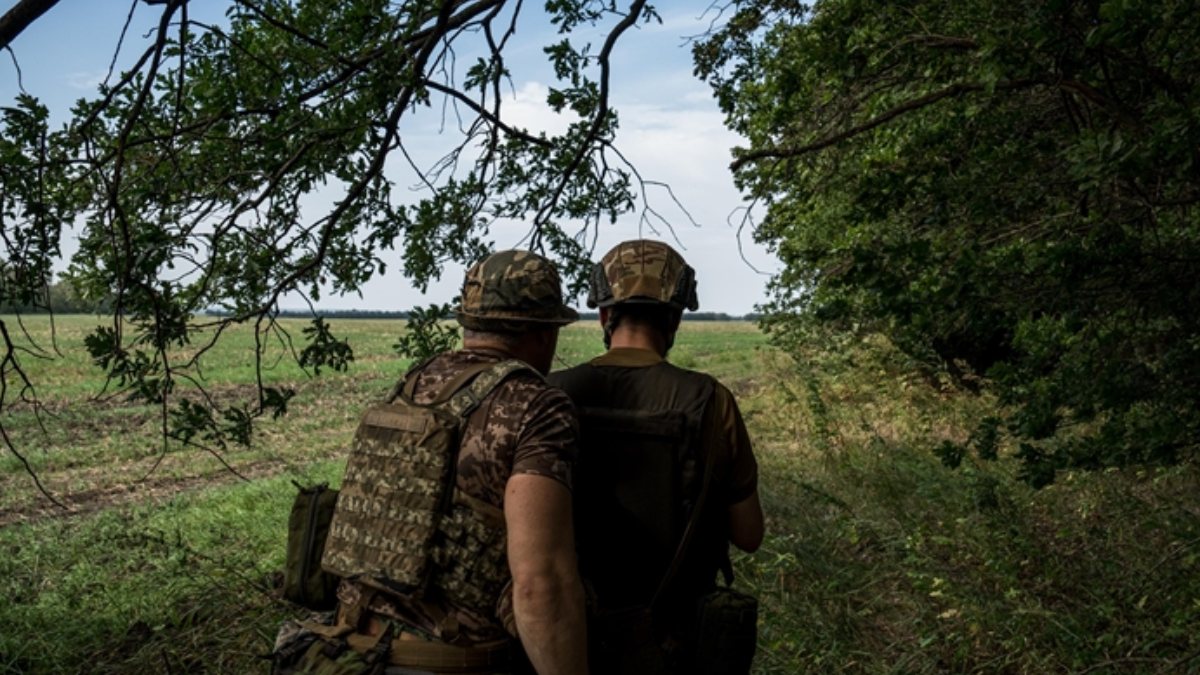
column 643, row 271
column 513, row 291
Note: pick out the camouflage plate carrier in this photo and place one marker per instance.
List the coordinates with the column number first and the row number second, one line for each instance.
column 401, row 525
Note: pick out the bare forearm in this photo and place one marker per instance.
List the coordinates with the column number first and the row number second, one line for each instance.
column 547, row 593
column 550, row 620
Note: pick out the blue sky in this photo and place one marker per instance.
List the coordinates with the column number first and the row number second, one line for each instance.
column 670, row 129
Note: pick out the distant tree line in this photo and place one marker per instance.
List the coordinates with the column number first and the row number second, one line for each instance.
column 688, row 316
column 59, row 297
column 404, row 314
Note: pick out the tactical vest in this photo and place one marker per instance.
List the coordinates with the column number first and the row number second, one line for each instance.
column 401, row 524
column 637, row 479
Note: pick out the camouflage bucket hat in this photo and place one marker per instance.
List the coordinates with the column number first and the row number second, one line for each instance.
column 513, row 291
column 643, row 271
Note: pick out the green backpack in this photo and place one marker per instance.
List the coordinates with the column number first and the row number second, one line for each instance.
column 304, row 582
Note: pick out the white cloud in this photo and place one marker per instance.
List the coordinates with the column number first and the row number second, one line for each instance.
column 528, row 110
column 85, row 80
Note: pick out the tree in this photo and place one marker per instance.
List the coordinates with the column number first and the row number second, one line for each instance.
column 188, row 174
column 1004, row 188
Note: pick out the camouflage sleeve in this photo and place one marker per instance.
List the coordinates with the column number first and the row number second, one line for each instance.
column 725, row 423
column 548, row 442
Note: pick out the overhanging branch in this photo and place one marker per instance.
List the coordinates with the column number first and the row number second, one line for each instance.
column 954, row 90
column 20, row 17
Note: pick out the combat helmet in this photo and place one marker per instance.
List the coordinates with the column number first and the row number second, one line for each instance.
column 513, row 291
column 643, row 271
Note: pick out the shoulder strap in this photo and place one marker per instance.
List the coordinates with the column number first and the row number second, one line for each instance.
column 456, row 383
column 461, row 400
column 404, row 387
column 688, row 530
column 407, row 385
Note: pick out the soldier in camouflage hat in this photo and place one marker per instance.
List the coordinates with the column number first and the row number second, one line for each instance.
column 513, row 291
column 641, row 488
column 646, row 279
column 516, row 573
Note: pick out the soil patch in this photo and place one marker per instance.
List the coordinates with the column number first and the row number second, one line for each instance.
column 153, row 490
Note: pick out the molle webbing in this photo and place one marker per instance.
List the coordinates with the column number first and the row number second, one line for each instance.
column 472, row 558
column 396, row 505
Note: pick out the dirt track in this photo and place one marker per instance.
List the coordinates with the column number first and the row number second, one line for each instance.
column 152, row 490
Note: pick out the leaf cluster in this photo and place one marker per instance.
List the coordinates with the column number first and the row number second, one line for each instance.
column 193, row 178
column 427, row 333
column 1007, row 190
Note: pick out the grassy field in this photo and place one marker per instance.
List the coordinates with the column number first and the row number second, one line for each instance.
column 878, row 559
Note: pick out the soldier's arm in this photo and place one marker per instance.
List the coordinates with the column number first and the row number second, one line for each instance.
column 746, row 523
column 745, row 510
column 548, row 596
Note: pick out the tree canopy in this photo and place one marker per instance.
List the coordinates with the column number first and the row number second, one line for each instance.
column 186, row 177
column 1007, row 190
column 1004, row 188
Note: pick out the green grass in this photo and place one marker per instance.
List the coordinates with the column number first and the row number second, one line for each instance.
column 881, row 560
column 878, row 559
column 120, row 587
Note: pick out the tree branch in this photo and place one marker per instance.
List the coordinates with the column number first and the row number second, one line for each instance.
column 631, row 17
column 20, row 17
column 954, row 90
column 485, row 113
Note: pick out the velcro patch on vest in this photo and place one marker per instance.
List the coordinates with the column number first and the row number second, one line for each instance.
column 389, row 419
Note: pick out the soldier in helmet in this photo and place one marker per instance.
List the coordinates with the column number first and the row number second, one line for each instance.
column 666, row 475
column 501, row 562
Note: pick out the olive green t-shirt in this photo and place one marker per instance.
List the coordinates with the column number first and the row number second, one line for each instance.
column 722, row 426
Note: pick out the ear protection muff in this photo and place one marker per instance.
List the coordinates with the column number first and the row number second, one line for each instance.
column 599, row 290
column 684, row 294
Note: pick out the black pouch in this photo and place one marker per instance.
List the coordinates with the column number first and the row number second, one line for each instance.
column 726, row 633
column 304, row 582
column 625, row 642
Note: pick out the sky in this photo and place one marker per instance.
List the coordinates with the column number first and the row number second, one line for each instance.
column 670, row 129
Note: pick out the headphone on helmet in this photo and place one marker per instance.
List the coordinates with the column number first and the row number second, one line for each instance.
column 683, row 296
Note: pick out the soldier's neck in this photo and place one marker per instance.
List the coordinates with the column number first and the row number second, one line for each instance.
column 535, row 348
column 635, row 336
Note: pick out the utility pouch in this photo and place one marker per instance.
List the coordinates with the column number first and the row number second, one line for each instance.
column 304, row 583
column 726, row 633
column 624, row 642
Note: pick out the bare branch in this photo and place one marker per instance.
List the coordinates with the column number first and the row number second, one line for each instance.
column 20, row 17
column 954, row 90
column 486, row 114
column 9, row 364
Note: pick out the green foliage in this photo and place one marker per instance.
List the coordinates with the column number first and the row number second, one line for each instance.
column 426, row 332
column 36, row 199
column 1005, row 189
column 878, row 559
column 190, row 178
column 323, row 349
